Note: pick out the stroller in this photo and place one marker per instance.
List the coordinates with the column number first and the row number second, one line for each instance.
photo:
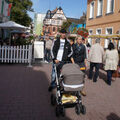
column 69, row 85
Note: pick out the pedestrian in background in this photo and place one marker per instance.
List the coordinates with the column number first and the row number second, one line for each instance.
column 48, row 46
column 84, row 43
column 119, row 60
column 96, row 58
column 111, row 61
column 88, row 46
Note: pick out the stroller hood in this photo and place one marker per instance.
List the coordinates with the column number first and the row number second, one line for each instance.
column 72, row 75
column 70, row 68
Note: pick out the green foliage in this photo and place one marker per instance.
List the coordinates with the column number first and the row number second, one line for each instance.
column 24, row 41
column 66, row 25
column 19, row 11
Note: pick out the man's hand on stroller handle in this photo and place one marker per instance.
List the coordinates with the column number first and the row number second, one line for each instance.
column 57, row 61
column 72, row 60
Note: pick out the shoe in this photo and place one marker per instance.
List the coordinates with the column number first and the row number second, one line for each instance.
column 95, row 80
column 50, row 88
column 109, row 83
column 46, row 61
column 83, row 93
column 90, row 78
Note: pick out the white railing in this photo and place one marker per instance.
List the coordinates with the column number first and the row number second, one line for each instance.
column 16, row 54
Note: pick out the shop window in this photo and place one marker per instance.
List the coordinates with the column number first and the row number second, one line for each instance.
column 98, row 31
column 109, row 31
column 90, row 39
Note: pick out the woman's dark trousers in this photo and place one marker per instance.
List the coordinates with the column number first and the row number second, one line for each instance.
column 109, row 76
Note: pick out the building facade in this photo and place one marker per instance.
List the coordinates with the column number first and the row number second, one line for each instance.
column 103, row 18
column 38, row 23
column 77, row 23
column 53, row 21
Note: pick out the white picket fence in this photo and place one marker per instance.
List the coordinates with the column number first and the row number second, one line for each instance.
column 16, row 54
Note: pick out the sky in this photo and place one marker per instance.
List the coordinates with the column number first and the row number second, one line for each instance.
column 71, row 8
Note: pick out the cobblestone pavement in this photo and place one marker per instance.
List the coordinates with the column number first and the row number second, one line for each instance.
column 24, row 96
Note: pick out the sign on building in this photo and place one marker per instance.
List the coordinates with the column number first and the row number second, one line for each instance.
column 5, row 8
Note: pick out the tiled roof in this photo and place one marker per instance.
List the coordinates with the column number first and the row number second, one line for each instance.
column 54, row 11
column 50, row 14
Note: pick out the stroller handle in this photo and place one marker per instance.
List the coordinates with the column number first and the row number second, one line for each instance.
column 82, row 68
column 62, row 62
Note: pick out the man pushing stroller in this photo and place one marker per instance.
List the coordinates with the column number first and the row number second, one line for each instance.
column 68, row 78
column 61, row 53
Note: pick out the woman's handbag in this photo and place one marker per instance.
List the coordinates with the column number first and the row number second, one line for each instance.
column 116, row 73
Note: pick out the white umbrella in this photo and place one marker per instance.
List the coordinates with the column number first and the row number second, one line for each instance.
column 12, row 25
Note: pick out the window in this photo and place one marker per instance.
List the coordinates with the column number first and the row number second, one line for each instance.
column 53, row 29
column 58, row 22
column 60, row 18
column 110, row 6
column 49, row 30
column 92, row 10
column 100, row 7
column 109, row 31
column 90, row 39
column 53, row 21
column 98, row 31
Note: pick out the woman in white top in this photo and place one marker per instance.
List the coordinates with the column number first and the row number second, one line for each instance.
column 111, row 61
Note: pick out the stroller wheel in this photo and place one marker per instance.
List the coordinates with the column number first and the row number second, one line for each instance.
column 77, row 109
column 53, row 99
column 57, row 111
column 83, row 109
column 62, row 110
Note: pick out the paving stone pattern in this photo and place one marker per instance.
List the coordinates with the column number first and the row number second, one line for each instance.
column 24, row 96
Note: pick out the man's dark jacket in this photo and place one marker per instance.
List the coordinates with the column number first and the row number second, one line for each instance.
column 68, row 52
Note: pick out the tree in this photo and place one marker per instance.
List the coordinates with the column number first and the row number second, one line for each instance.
column 66, row 25
column 19, row 11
